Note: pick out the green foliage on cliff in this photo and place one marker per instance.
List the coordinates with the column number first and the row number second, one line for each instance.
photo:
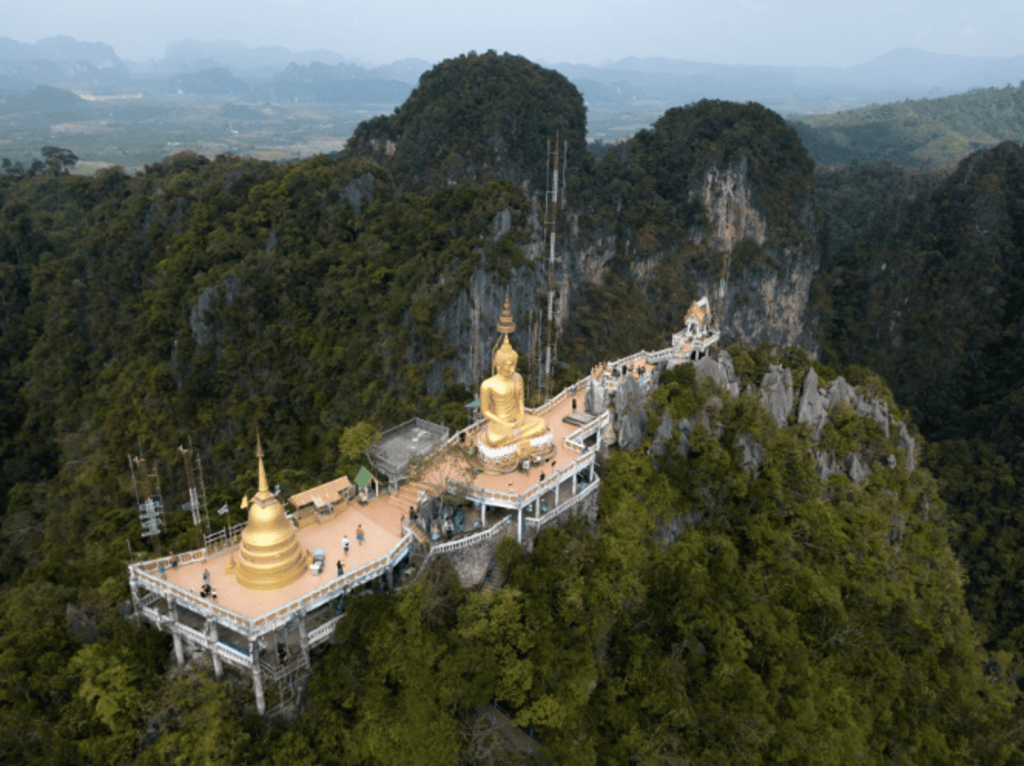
column 716, row 614
column 926, row 286
column 923, row 133
column 478, row 117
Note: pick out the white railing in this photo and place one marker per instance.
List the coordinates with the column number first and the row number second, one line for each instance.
column 323, row 632
column 224, row 534
column 550, row 516
column 197, row 637
column 474, row 539
column 255, row 626
column 151, row 614
column 513, row 501
column 232, row 655
column 326, row 592
column 575, row 440
column 666, row 353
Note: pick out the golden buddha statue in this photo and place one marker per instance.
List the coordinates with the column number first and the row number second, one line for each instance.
column 501, row 402
column 270, row 556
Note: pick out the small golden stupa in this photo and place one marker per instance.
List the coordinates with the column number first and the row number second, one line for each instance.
column 271, row 556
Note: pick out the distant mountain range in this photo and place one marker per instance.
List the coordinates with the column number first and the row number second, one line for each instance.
column 651, row 83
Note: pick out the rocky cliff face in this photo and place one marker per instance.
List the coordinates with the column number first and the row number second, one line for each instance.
column 715, row 199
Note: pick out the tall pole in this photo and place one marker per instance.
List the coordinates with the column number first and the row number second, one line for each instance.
column 551, row 219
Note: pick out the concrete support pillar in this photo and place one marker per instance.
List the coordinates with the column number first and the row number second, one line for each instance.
column 574, row 474
column 257, row 678
column 179, row 649
column 558, row 488
column 519, row 525
column 483, row 515
column 536, row 508
column 304, row 638
column 391, row 579
column 212, row 636
column 592, row 471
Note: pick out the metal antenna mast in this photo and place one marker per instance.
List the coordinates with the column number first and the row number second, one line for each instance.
column 147, row 496
column 556, row 184
column 193, row 492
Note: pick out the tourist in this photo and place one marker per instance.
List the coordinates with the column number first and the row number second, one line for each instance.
column 359, row 534
column 344, row 544
column 341, row 569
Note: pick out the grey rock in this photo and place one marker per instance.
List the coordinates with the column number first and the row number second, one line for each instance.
column 811, row 409
column 685, row 427
column 826, row 465
column 725, row 359
column 709, row 368
column 751, row 454
column 630, row 414
column 876, row 410
column 891, row 461
column 198, row 318
column 502, row 223
column 909, row 446
column 360, row 191
column 127, row 609
column 839, row 391
column 777, row 393
column 596, row 400
column 80, row 624
column 856, row 469
column 662, row 436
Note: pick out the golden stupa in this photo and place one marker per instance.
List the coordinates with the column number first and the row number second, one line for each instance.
column 271, row 556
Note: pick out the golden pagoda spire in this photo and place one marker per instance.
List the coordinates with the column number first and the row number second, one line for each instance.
column 270, row 556
column 264, row 488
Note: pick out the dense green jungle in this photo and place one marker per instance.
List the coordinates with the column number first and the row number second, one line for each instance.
column 924, row 133
column 712, row 615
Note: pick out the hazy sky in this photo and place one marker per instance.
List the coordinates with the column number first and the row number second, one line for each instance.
column 781, row 32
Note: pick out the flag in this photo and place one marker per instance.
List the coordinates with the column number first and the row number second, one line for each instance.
column 222, row 510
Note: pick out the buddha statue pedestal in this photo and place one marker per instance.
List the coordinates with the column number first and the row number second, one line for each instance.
column 511, row 435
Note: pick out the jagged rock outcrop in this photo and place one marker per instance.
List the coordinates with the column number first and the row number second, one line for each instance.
column 856, row 468
column 751, row 454
column 909, row 446
column 201, row 319
column 811, row 408
column 630, row 414
column 777, row 393
column 826, row 465
column 596, row 399
column 723, row 375
column 876, row 410
column 662, row 436
column 839, row 391
column 359, row 192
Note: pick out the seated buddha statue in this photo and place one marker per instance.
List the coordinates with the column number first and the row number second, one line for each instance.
column 501, row 402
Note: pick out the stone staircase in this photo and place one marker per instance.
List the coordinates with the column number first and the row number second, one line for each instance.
column 494, row 580
column 409, row 495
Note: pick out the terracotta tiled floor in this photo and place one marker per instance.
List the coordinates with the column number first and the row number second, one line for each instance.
column 381, row 522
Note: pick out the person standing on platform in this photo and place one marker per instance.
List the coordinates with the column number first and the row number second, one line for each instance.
column 344, row 544
column 359, row 534
column 341, row 569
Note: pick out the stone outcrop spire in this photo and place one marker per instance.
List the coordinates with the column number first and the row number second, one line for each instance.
column 270, row 556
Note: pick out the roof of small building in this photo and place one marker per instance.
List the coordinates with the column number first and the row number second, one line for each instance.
column 325, row 494
column 698, row 310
